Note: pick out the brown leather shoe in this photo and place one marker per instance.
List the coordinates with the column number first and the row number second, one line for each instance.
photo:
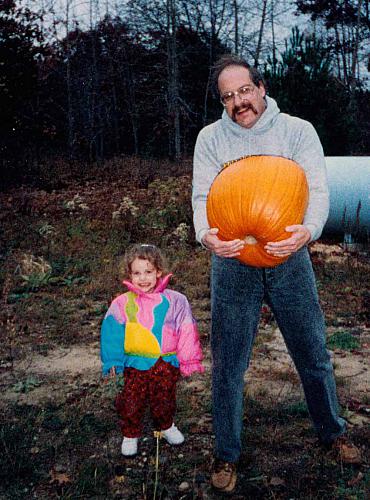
column 223, row 476
column 345, row 451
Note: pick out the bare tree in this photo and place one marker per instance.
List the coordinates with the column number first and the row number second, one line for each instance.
column 70, row 112
column 260, row 34
column 236, row 26
column 173, row 83
column 347, row 24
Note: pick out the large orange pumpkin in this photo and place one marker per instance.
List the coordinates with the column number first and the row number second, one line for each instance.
column 254, row 199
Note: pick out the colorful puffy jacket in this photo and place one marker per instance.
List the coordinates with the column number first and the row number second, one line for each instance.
column 140, row 327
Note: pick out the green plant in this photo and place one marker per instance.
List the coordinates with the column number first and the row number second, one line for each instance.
column 298, row 409
column 348, row 491
column 343, row 340
column 92, row 479
column 17, row 296
column 17, row 468
column 77, row 228
column 64, row 265
column 27, row 385
column 100, row 310
column 35, row 281
column 113, row 385
column 72, row 280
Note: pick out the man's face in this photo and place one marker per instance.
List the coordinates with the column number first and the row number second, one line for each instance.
column 246, row 109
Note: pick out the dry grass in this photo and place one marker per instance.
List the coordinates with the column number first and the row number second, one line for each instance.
column 67, row 444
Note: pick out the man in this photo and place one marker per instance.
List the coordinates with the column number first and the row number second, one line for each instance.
column 252, row 124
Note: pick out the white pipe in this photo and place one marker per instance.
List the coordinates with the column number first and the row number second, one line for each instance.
column 349, row 187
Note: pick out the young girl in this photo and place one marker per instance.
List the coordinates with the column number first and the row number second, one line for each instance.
column 149, row 333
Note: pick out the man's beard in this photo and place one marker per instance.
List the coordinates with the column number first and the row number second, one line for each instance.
column 243, row 107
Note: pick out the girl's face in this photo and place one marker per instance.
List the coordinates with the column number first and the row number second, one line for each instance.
column 144, row 275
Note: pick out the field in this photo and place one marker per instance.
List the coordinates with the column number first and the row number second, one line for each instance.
column 59, row 437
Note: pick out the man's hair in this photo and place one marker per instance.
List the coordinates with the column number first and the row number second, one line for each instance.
column 233, row 60
column 145, row 252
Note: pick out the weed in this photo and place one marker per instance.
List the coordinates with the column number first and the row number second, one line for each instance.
column 126, row 208
column 83, row 429
column 118, row 239
column 46, row 230
column 298, row 409
column 35, row 281
column 42, row 349
column 17, row 466
column 181, row 233
column 262, row 392
column 343, row 340
column 92, row 479
column 53, row 422
column 15, row 297
column 34, row 272
column 288, row 375
column 75, row 205
column 341, row 381
column 63, row 265
column 27, row 385
column 100, row 310
column 77, row 228
column 73, row 280
column 113, row 386
column 345, row 490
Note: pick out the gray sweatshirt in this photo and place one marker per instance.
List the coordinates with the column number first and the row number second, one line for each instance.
column 274, row 133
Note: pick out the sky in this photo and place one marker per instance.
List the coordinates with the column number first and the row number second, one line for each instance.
column 55, row 13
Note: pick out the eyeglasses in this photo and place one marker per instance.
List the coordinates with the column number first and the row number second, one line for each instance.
column 243, row 92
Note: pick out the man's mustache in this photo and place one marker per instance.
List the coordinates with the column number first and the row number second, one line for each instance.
column 243, row 107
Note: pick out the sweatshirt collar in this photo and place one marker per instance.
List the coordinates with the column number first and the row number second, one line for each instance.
column 265, row 121
column 160, row 286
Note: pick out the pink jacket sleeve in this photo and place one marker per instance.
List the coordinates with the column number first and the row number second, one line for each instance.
column 189, row 351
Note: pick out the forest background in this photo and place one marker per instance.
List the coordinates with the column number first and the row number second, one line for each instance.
column 133, row 78
column 101, row 102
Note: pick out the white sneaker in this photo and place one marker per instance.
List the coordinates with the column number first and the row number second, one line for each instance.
column 129, row 446
column 173, row 435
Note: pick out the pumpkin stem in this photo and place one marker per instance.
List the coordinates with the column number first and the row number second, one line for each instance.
column 250, row 240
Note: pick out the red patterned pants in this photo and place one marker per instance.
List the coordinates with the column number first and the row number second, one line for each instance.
column 155, row 388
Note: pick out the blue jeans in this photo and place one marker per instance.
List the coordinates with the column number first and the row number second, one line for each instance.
column 237, row 292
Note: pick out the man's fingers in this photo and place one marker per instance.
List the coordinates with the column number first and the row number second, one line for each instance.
column 222, row 248
column 229, row 248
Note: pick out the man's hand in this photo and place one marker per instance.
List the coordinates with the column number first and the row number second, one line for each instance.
column 221, row 248
column 301, row 235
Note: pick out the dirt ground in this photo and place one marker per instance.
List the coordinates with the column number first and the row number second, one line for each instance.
column 271, row 371
column 59, row 431
column 67, row 375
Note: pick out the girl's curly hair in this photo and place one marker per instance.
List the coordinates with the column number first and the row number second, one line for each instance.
column 142, row 251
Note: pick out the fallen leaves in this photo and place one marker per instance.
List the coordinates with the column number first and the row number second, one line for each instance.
column 277, row 481
column 59, row 477
column 355, row 480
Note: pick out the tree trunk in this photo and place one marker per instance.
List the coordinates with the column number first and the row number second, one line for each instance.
column 352, row 80
column 236, row 27
column 259, row 44
column 94, row 143
column 173, row 89
column 69, row 88
column 274, row 60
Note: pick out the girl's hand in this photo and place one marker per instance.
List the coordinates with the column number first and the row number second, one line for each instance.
column 112, row 372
